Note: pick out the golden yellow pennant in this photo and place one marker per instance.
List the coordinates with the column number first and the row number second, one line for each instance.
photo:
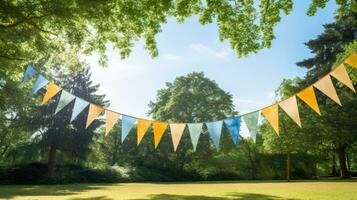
column 176, row 133
column 289, row 105
column 272, row 115
column 142, row 127
column 52, row 90
column 352, row 60
column 94, row 112
column 341, row 74
column 325, row 85
column 111, row 120
column 159, row 130
column 309, row 97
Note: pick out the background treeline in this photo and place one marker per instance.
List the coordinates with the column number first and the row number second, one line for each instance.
column 39, row 147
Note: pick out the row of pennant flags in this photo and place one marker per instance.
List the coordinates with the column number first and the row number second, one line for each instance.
column 233, row 124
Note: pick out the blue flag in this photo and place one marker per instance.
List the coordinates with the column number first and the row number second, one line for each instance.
column 29, row 73
column 79, row 106
column 65, row 99
column 127, row 124
column 195, row 132
column 40, row 82
column 233, row 125
column 215, row 130
column 251, row 120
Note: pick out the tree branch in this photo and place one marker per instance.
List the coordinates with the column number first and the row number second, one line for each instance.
column 4, row 26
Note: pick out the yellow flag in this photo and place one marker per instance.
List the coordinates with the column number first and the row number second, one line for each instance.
column 341, row 74
column 290, row 107
column 143, row 126
column 352, row 60
column 159, row 130
column 176, row 133
column 111, row 120
column 52, row 90
column 309, row 97
column 325, row 85
column 272, row 115
column 94, row 111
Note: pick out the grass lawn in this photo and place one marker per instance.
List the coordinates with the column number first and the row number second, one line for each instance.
column 262, row 190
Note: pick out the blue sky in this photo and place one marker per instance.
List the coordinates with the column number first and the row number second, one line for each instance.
column 190, row 47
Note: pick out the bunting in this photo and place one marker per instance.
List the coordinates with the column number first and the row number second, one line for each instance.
column 272, row 115
column 289, row 105
column 52, row 90
column 325, row 85
column 143, row 126
column 176, row 134
column 233, row 125
column 40, row 83
column 341, row 74
column 308, row 96
column 79, row 106
column 352, row 60
column 159, row 130
column 215, row 130
column 251, row 120
column 195, row 132
column 127, row 123
column 29, row 73
column 111, row 120
column 64, row 100
column 93, row 112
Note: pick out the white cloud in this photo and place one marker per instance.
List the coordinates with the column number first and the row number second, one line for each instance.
column 203, row 49
column 169, row 57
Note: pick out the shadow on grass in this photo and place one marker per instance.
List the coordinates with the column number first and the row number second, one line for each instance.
column 9, row 192
column 237, row 196
column 92, row 198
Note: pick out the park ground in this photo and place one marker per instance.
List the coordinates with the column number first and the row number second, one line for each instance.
column 253, row 190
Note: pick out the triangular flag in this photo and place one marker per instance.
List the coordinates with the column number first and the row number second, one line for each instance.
column 111, row 120
column 308, row 96
column 64, row 100
column 233, row 125
column 159, row 130
column 93, row 112
column 251, row 120
column 325, row 85
column 52, row 90
column 127, row 124
column 29, row 73
column 143, row 126
column 341, row 74
column 215, row 130
column 272, row 115
column 195, row 132
column 40, row 82
column 79, row 106
column 289, row 105
column 176, row 133
column 352, row 60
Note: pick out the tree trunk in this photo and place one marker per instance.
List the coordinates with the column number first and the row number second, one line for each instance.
column 342, row 160
column 51, row 160
column 288, row 166
column 333, row 170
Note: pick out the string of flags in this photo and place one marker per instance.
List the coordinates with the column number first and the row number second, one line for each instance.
column 233, row 124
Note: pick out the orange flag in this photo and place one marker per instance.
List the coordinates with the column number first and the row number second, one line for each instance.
column 290, row 107
column 309, row 97
column 143, row 126
column 341, row 74
column 111, row 120
column 159, row 130
column 52, row 90
column 325, row 85
column 176, row 133
column 272, row 115
column 352, row 60
column 94, row 111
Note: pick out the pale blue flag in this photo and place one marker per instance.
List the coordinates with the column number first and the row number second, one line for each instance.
column 29, row 73
column 127, row 124
column 79, row 106
column 233, row 125
column 40, row 82
column 251, row 120
column 195, row 132
column 215, row 130
column 65, row 99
